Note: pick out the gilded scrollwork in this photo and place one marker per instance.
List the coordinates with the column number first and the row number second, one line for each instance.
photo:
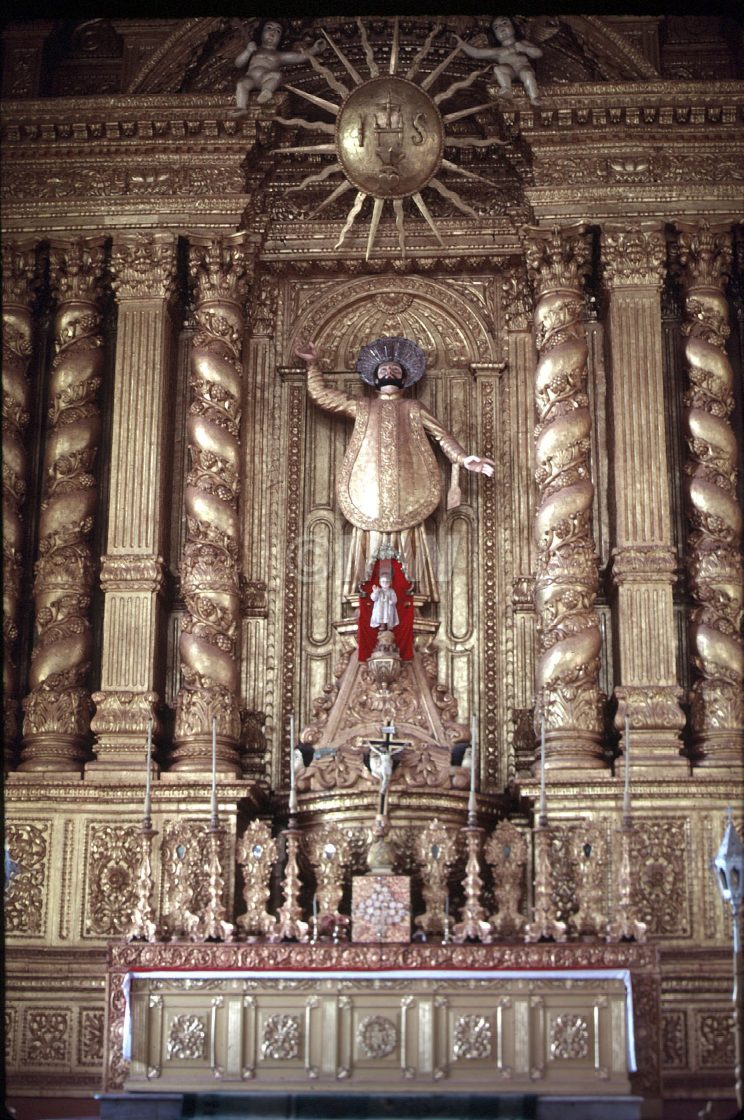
column 714, row 562
column 57, row 710
column 506, row 854
column 435, row 849
column 25, row 898
column 111, row 880
column 256, row 854
column 46, row 1037
column 329, row 853
column 18, row 270
column 569, row 698
column 210, row 578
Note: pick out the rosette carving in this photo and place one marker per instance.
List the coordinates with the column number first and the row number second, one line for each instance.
column 568, row 666
column 714, row 549
column 210, row 575
column 56, row 724
column 18, row 268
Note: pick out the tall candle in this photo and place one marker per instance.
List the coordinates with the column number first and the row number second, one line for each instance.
column 292, row 776
column 473, row 763
column 543, row 813
column 626, row 797
column 148, row 778
column 214, row 771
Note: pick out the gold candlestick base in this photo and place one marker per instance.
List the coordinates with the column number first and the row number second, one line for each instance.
column 212, row 925
column 625, row 925
column 544, row 926
column 289, row 924
column 473, row 926
column 143, row 927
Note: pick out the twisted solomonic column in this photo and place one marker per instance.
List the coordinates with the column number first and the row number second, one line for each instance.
column 56, row 726
column 567, row 670
column 210, row 573
column 19, row 266
column 714, row 561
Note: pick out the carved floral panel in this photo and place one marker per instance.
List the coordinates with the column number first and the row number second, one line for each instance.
column 25, row 902
column 113, row 854
column 90, row 1037
column 46, row 1036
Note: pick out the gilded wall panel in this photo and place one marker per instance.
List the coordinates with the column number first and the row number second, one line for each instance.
column 674, row 1039
column 90, row 1037
column 714, row 1036
column 111, row 860
column 26, row 901
column 46, row 1037
column 662, row 859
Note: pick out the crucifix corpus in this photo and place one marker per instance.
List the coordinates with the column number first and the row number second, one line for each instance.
column 381, row 754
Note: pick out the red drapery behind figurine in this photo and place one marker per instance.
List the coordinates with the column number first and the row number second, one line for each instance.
column 367, row 634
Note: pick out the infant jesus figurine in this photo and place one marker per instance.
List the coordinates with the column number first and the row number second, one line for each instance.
column 384, row 611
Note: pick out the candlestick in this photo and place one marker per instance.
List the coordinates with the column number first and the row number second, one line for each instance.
column 543, row 813
column 214, row 820
column 626, row 796
column 292, row 775
column 148, row 778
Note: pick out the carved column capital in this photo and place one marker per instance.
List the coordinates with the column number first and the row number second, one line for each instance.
column 634, row 256
column 144, row 265
column 221, row 268
column 132, row 573
column 18, row 271
column 75, row 267
column 557, row 258
column 704, row 252
column 649, row 708
column 644, row 564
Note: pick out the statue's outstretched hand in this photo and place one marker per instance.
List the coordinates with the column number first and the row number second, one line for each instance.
column 479, row 466
column 306, row 351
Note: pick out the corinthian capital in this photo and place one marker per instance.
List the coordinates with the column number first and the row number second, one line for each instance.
column 704, row 253
column 557, row 257
column 634, row 256
column 75, row 267
column 221, row 268
column 18, row 269
column 144, row 265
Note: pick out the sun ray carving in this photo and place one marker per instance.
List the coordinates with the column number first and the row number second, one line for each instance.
column 389, row 136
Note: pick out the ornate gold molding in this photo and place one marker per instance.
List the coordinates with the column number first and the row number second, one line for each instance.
column 714, row 551
column 568, row 667
column 220, row 269
column 56, row 725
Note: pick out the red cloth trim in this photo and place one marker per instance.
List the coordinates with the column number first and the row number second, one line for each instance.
column 367, row 634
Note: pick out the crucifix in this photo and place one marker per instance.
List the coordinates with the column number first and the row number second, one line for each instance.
column 382, row 752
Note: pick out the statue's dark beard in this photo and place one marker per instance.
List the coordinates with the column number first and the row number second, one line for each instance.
column 383, row 381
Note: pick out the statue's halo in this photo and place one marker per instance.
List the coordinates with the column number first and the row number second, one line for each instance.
column 410, row 357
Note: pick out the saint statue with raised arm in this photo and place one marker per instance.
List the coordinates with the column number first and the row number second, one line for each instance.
column 390, row 480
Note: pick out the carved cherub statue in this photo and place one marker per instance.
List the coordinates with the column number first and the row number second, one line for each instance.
column 264, row 63
column 384, row 612
column 511, row 58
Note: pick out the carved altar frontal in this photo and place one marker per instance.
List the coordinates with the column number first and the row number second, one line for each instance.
column 558, row 1019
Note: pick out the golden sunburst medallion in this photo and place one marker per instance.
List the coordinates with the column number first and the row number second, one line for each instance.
column 389, row 135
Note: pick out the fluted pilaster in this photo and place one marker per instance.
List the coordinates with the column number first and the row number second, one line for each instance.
column 144, row 270
column 210, row 573
column 567, row 670
column 643, row 559
column 18, row 268
column 56, row 726
column 714, row 559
